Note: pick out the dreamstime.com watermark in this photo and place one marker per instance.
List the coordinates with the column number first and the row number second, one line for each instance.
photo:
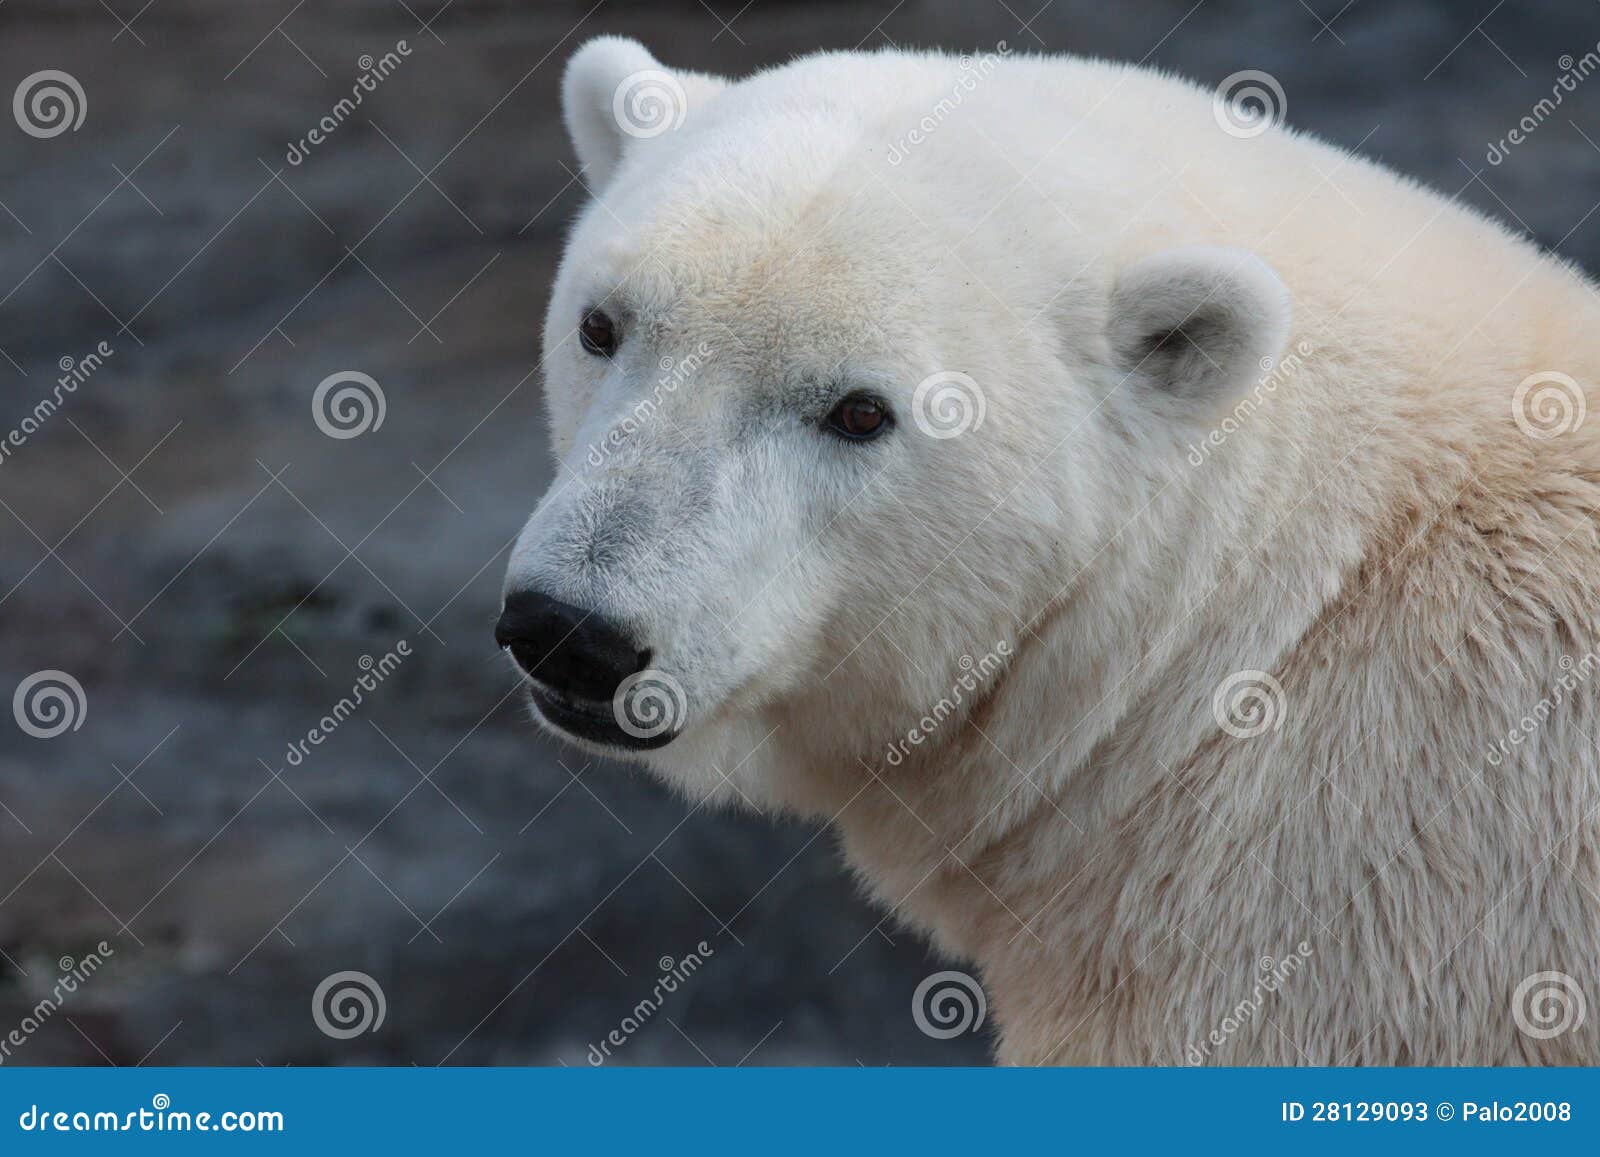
column 674, row 974
column 1248, row 703
column 1548, row 404
column 49, row 703
column 1273, row 974
column 948, row 1004
column 649, row 703
column 973, row 69
column 1274, row 375
column 160, row 1117
column 1549, row 1004
column 74, row 973
column 1574, row 673
column 49, row 103
column 347, row 1004
column 975, row 673
column 375, row 671
column 948, row 404
column 373, row 73
column 1248, row 103
column 347, row 404
column 674, row 373
column 649, row 102
column 74, row 372
column 1573, row 73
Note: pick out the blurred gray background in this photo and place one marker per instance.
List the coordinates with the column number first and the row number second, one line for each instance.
column 183, row 540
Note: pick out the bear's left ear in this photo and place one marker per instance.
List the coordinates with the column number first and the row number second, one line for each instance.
column 1197, row 322
column 614, row 92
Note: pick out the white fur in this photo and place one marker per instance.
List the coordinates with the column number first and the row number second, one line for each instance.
column 587, row 89
column 1371, row 528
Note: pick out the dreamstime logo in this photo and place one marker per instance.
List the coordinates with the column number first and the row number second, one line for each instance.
column 674, row 975
column 1248, row 703
column 1548, row 1004
column 649, row 703
column 975, row 674
column 156, row 1119
column 74, row 372
column 948, row 1004
column 348, row 1004
column 49, row 103
column 1573, row 73
column 74, row 974
column 374, row 672
column 1573, row 675
column 649, row 103
column 947, row 404
column 349, row 411
column 1271, row 976
column 973, row 70
column 48, row 703
column 1548, row 404
column 674, row 372
column 1249, row 103
column 1275, row 374
column 373, row 73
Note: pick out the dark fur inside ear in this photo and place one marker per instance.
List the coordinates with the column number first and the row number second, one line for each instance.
column 1178, row 356
column 1197, row 322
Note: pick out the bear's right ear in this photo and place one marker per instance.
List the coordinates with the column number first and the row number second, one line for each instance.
column 1197, row 323
column 614, row 91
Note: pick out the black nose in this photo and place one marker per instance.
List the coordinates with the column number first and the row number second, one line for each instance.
column 567, row 648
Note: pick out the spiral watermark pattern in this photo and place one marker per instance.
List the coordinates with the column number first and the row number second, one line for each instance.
column 649, row 703
column 1548, row 404
column 1548, row 1004
column 49, row 103
column 1248, row 703
column 649, row 103
column 348, row 1004
column 948, row 404
column 948, row 1004
column 1248, row 103
column 49, row 703
column 348, row 404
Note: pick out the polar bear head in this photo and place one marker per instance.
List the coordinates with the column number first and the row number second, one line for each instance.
column 840, row 402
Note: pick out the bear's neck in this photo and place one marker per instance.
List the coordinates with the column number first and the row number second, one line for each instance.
column 1226, row 569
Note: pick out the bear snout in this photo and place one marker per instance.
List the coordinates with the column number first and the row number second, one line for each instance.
column 567, row 648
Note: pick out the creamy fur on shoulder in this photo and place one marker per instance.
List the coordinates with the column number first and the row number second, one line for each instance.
column 1223, row 685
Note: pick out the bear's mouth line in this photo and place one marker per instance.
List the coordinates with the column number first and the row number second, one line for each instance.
column 590, row 719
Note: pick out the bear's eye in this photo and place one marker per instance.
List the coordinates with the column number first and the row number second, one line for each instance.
column 859, row 417
column 597, row 335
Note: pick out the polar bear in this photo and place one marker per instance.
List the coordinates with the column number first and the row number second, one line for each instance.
column 1161, row 544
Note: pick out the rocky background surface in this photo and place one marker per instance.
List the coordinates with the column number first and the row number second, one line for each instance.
column 214, row 571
